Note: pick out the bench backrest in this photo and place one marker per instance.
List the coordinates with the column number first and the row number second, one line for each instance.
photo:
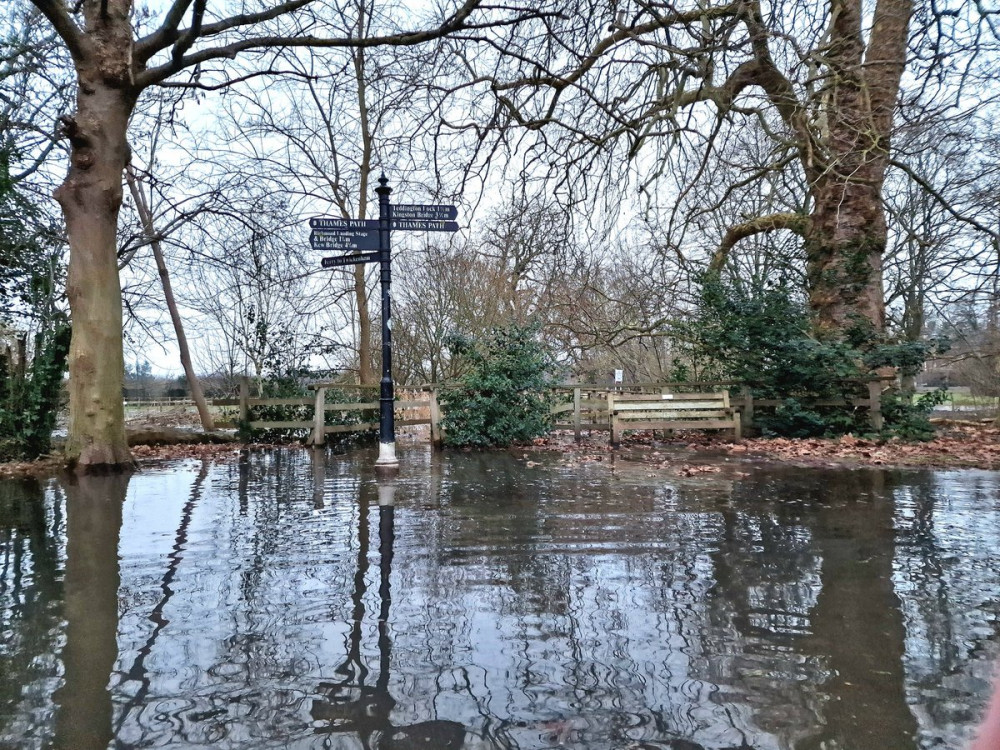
column 670, row 405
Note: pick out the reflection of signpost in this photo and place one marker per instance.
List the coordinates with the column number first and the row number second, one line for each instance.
column 332, row 233
column 350, row 706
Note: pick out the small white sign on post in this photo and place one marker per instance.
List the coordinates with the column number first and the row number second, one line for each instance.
column 619, row 376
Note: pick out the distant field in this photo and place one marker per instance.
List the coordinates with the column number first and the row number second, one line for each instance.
column 174, row 412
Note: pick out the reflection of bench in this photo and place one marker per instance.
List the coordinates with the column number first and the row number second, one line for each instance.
column 671, row 411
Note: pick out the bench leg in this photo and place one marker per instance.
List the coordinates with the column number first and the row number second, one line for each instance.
column 737, row 427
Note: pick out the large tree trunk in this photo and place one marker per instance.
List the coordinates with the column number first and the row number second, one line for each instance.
column 91, row 197
column 843, row 135
column 847, row 231
column 844, row 247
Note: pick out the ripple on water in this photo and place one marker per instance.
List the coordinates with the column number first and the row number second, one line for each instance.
column 273, row 602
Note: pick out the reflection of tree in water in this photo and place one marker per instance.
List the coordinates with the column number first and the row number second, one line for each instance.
column 138, row 672
column 90, row 608
column 841, row 631
column 241, row 677
column 352, row 706
column 536, row 608
column 31, row 528
column 947, row 574
column 764, row 579
column 594, row 651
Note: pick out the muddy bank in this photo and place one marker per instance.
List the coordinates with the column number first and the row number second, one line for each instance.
column 957, row 445
column 144, row 455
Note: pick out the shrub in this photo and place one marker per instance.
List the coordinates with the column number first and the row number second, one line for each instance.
column 29, row 403
column 799, row 419
column 911, row 420
column 761, row 337
column 741, row 333
column 504, row 396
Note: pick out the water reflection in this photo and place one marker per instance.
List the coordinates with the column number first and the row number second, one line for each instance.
column 90, row 609
column 31, row 553
column 812, row 578
column 351, row 706
column 291, row 599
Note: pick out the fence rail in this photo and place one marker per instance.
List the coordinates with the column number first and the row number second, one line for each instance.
column 317, row 423
column 587, row 409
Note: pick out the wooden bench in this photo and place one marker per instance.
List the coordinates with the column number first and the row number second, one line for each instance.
column 671, row 411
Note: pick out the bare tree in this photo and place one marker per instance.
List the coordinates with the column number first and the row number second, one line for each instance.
column 821, row 80
column 318, row 137
column 254, row 288
column 115, row 60
column 146, row 215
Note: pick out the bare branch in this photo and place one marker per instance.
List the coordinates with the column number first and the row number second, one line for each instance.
column 194, row 83
column 457, row 21
column 162, row 38
column 68, row 31
column 798, row 223
column 932, row 191
column 621, row 34
column 778, row 88
column 188, row 38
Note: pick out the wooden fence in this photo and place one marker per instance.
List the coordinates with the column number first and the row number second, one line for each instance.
column 317, row 423
column 580, row 406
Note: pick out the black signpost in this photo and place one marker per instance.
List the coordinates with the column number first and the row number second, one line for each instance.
column 422, row 225
column 332, row 233
column 345, row 242
column 386, row 398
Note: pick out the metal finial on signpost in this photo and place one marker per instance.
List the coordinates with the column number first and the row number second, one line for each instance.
column 386, row 424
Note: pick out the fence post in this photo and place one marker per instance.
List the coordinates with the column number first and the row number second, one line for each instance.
column 576, row 414
column 244, row 399
column 319, row 418
column 875, row 404
column 612, row 422
column 747, row 406
column 435, row 420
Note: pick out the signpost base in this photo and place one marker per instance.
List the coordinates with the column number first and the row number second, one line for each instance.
column 387, row 456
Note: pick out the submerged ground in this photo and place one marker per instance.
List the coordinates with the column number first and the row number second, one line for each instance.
column 531, row 600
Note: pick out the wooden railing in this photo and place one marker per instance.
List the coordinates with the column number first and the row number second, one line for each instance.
column 585, row 407
column 317, row 423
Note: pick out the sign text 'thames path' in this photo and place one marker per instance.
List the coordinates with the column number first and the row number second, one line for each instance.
column 325, row 224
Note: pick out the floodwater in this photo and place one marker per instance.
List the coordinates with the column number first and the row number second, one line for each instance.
column 291, row 600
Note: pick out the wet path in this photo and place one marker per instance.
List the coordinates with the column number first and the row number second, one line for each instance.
column 290, row 600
